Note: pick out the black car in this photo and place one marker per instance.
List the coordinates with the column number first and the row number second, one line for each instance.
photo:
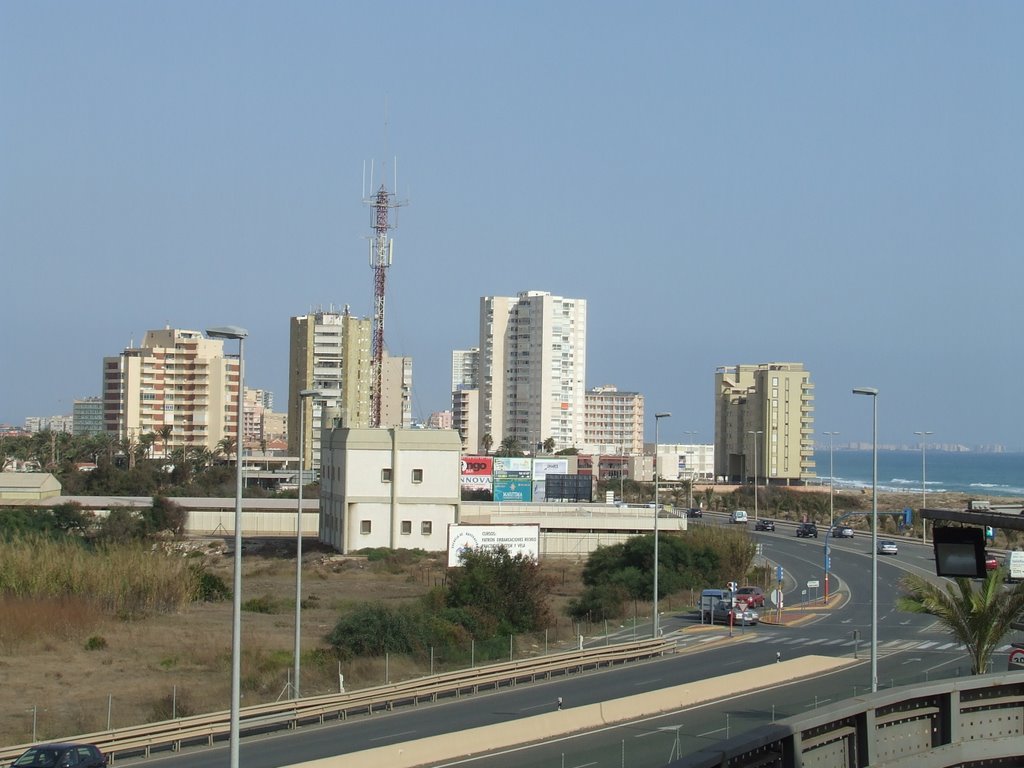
column 695, row 512
column 764, row 525
column 806, row 530
column 61, row 756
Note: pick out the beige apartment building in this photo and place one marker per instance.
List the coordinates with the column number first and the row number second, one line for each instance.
column 613, row 422
column 178, row 385
column 328, row 352
column 396, row 392
column 764, row 411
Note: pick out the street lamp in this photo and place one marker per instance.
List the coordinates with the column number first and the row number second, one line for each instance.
column 831, row 479
column 303, row 394
column 924, row 487
column 234, row 332
column 755, row 433
column 657, row 420
column 873, row 393
column 693, row 436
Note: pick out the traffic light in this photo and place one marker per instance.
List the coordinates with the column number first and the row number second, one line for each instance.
column 990, row 532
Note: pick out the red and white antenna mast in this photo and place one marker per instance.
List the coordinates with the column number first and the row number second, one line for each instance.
column 381, row 252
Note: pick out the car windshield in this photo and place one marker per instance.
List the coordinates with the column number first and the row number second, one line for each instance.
column 42, row 757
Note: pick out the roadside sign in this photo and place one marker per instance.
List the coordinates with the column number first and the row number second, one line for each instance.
column 813, row 584
column 776, row 597
column 1017, row 658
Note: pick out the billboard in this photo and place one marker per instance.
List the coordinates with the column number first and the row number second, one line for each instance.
column 569, row 488
column 476, row 473
column 512, row 466
column 513, row 489
column 542, row 467
column 517, row 539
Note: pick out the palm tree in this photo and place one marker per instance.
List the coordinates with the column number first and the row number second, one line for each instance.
column 486, row 442
column 509, row 447
column 165, row 438
column 977, row 618
column 549, row 445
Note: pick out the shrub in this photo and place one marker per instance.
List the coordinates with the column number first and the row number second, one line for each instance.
column 96, row 643
column 209, row 587
column 261, row 604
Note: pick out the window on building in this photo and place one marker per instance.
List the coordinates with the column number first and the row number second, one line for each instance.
column 406, row 527
column 365, row 526
column 385, row 475
column 426, row 527
column 417, row 475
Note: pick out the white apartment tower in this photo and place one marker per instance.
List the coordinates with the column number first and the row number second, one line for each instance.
column 764, row 417
column 532, row 369
column 465, row 394
column 178, row 385
column 614, row 421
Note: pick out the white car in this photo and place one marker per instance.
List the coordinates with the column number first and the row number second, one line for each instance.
column 888, row 548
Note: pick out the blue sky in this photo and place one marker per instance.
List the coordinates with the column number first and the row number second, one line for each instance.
column 839, row 184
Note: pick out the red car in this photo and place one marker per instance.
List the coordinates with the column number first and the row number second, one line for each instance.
column 752, row 596
column 990, row 562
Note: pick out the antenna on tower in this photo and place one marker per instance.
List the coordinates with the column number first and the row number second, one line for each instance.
column 381, row 257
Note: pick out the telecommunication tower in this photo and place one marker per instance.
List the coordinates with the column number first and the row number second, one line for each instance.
column 381, row 253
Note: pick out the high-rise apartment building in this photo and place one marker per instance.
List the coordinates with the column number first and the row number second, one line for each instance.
column 532, row 369
column 465, row 392
column 329, row 352
column 613, row 421
column 396, row 392
column 178, row 385
column 766, row 411
column 87, row 416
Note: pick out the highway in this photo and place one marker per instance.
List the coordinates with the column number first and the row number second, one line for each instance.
column 911, row 649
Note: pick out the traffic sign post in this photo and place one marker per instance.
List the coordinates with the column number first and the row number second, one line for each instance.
column 1016, row 660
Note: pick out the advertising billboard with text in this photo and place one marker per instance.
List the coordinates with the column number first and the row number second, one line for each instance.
column 512, row 466
column 476, row 473
column 517, row 539
column 513, row 489
column 542, row 467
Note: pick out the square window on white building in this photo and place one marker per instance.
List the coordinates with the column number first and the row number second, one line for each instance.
column 426, row 527
column 417, row 475
column 365, row 526
column 406, row 527
column 385, row 475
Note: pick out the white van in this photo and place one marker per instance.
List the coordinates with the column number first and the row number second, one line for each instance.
column 1014, row 563
column 738, row 516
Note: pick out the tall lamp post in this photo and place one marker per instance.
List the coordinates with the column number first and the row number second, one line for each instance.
column 755, row 433
column 692, row 435
column 303, row 395
column 657, row 420
column 234, row 332
column 831, row 480
column 873, row 393
column 924, row 486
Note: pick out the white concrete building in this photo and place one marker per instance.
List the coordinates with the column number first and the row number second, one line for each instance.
column 532, row 369
column 394, row 488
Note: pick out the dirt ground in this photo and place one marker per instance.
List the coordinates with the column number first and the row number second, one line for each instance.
column 80, row 672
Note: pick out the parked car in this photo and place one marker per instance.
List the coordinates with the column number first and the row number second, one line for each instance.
column 764, row 525
column 58, row 755
column 888, row 547
column 990, row 562
column 806, row 530
column 842, row 532
column 752, row 596
column 695, row 512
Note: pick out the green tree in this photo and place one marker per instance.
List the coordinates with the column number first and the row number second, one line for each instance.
column 977, row 618
column 509, row 447
column 486, row 442
column 511, row 589
column 549, row 445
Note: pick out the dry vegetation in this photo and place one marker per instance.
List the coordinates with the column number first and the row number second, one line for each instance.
column 65, row 656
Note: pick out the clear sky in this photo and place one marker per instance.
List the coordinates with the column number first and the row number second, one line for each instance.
column 837, row 184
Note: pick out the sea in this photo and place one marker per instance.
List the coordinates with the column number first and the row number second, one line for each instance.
column 972, row 473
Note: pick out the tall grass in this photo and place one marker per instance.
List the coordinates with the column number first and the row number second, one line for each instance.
column 125, row 580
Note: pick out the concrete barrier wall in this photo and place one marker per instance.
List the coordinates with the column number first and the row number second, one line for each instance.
column 554, row 724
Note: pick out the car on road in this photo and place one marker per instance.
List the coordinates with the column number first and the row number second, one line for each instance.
column 764, row 525
column 695, row 512
column 738, row 516
column 806, row 530
column 752, row 596
column 990, row 562
column 842, row 532
column 741, row 615
column 60, row 755
column 887, row 547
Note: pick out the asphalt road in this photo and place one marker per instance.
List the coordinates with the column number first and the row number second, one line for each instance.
column 912, row 648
